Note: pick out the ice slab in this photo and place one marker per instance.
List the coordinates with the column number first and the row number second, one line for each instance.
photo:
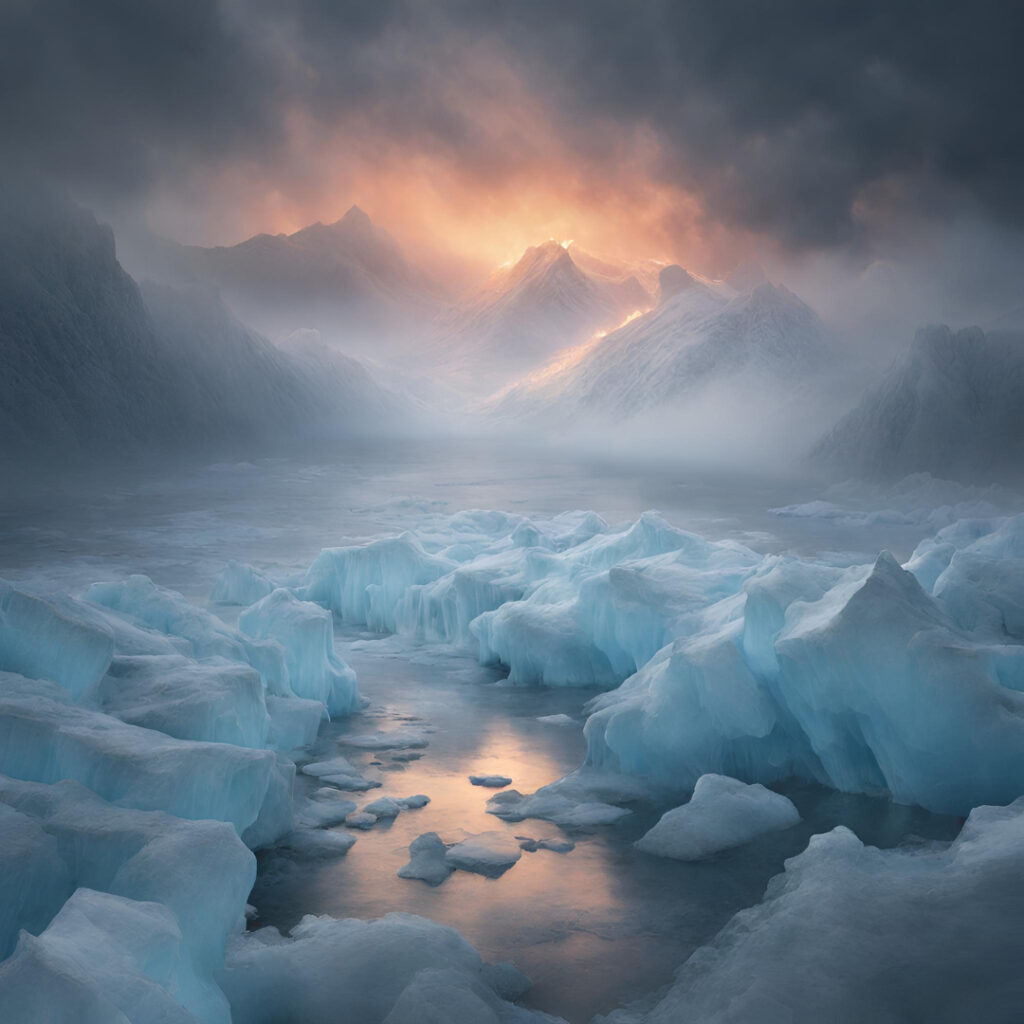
column 487, row 853
column 721, row 814
column 490, row 781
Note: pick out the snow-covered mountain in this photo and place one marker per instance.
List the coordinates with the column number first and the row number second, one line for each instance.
column 952, row 406
column 528, row 311
column 699, row 333
column 349, row 280
column 91, row 362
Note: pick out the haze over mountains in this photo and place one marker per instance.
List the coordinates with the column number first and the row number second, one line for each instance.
column 698, row 334
column 91, row 362
column 527, row 312
column 951, row 405
column 559, row 339
column 349, row 280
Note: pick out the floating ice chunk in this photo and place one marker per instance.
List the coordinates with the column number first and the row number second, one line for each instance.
column 554, row 845
column 721, row 814
column 360, row 819
column 44, row 738
column 102, row 958
column 326, row 807
column 400, row 739
column 407, row 755
column 413, row 803
column 384, row 807
column 557, row 719
column 400, row 969
column 850, row 933
column 335, row 766
column 40, row 640
column 579, row 800
column 490, row 781
column 487, row 853
column 351, row 783
column 318, row 843
column 241, row 585
column 427, row 860
column 215, row 700
column 306, row 632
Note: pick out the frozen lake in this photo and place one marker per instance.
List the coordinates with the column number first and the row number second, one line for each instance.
column 593, row 928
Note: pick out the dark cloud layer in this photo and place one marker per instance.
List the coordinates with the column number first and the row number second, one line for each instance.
column 808, row 120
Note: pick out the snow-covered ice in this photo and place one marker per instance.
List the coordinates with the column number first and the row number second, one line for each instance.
column 850, row 933
column 721, row 814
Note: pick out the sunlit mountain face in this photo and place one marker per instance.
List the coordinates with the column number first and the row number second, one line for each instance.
column 511, row 512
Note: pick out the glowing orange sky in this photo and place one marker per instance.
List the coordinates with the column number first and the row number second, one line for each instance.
column 513, row 184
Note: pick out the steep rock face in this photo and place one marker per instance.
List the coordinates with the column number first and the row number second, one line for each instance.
column 527, row 312
column 696, row 336
column 79, row 357
column 953, row 406
column 91, row 362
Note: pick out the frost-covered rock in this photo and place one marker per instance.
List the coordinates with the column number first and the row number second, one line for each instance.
column 721, row 814
column 850, row 933
column 306, row 632
column 240, row 585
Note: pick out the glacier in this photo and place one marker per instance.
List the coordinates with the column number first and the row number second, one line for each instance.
column 717, row 659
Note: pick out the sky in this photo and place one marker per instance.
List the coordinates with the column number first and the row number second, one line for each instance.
column 824, row 134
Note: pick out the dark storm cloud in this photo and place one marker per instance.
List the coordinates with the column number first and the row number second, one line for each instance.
column 792, row 118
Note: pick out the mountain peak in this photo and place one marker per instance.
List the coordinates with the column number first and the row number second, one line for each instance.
column 355, row 216
column 672, row 280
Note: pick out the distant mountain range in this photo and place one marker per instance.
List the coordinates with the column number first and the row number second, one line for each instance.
column 699, row 333
column 951, row 406
column 528, row 311
column 90, row 361
column 349, row 280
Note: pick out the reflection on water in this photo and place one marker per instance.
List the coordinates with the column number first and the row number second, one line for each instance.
column 593, row 928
